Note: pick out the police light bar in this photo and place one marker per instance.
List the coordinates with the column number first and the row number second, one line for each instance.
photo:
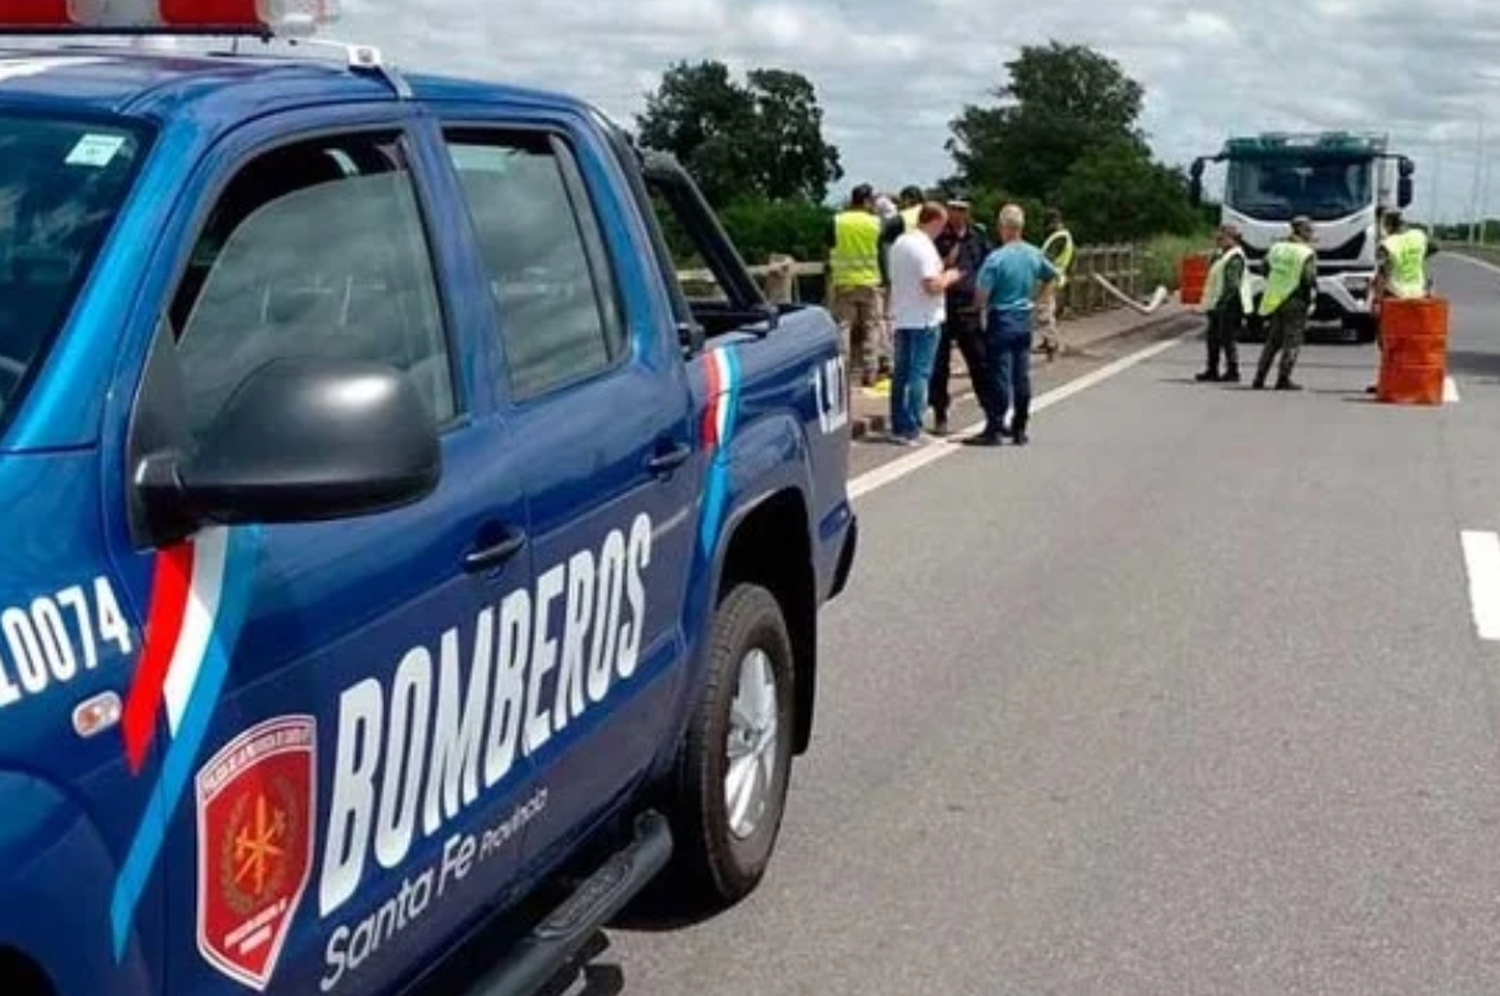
column 262, row 18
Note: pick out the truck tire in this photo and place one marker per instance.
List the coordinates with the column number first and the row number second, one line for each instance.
column 735, row 762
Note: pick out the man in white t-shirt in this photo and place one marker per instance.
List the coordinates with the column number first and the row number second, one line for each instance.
column 918, row 285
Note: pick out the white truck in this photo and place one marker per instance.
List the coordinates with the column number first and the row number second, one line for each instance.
column 1342, row 181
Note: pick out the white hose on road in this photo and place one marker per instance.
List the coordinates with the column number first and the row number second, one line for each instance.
column 1157, row 299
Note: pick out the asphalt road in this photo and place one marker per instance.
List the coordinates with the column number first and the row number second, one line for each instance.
column 1185, row 698
column 876, row 449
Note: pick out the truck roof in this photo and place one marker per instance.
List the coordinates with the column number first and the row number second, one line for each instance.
column 1312, row 143
column 219, row 89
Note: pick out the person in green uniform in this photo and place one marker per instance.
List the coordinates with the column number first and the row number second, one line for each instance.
column 1401, row 266
column 854, row 270
column 1226, row 302
column 1291, row 285
column 1402, row 259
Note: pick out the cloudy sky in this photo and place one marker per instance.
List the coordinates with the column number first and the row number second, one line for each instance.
column 892, row 73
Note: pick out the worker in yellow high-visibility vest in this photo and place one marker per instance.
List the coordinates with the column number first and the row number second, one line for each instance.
column 1227, row 299
column 854, row 272
column 1291, row 284
column 1058, row 248
column 1401, row 267
column 1402, row 259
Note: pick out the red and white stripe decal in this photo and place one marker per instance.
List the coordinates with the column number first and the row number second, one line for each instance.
column 716, row 412
column 184, row 605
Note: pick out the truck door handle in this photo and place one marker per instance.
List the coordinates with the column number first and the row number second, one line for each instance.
column 669, row 460
column 495, row 554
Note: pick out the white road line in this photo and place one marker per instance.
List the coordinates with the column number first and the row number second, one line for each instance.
column 1477, row 262
column 1482, row 556
column 1450, row 387
column 932, row 452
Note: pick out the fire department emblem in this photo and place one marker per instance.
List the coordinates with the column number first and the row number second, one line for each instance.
column 256, row 800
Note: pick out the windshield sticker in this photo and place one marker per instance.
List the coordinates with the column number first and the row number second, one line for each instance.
column 95, row 150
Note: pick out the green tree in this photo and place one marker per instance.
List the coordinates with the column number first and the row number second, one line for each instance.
column 700, row 115
column 790, row 158
column 760, row 139
column 761, row 227
column 1059, row 102
column 1116, row 193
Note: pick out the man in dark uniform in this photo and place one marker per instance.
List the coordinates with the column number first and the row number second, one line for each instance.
column 963, row 247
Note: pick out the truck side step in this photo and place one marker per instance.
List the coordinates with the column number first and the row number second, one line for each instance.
column 557, row 940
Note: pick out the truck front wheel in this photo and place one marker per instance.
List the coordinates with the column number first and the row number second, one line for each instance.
column 735, row 762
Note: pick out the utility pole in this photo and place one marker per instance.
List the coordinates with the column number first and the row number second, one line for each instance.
column 1476, row 228
column 1484, row 185
column 1436, row 188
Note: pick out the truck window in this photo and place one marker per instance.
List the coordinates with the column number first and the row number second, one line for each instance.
column 1279, row 189
column 314, row 249
column 61, row 185
column 549, row 270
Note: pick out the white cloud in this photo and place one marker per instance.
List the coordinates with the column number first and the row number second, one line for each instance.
column 891, row 75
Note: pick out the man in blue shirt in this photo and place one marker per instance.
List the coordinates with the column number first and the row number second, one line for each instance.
column 1005, row 292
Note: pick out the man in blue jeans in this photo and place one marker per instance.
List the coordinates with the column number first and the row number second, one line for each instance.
column 919, row 283
column 1006, row 290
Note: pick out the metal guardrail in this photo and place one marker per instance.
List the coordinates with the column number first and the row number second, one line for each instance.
column 785, row 279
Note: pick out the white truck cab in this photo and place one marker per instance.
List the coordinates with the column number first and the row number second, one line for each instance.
column 1342, row 181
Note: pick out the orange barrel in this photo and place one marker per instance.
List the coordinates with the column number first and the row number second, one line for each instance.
column 1414, row 351
column 1410, row 385
column 1426, row 352
column 1407, row 319
column 1192, row 274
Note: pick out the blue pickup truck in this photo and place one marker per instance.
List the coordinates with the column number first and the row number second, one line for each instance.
column 398, row 566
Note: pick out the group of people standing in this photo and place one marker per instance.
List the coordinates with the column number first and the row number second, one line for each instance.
column 938, row 281
column 1290, row 293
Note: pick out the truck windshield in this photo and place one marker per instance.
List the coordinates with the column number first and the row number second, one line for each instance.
column 1281, row 189
column 61, row 185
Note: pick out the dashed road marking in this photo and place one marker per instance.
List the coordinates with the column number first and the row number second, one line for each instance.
column 1482, row 558
column 931, row 453
column 1450, row 391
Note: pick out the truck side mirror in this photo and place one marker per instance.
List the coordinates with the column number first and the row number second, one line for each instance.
column 302, row 440
column 1404, row 191
column 1195, row 183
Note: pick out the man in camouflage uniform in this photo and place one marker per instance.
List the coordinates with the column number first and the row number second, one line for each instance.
column 1291, row 286
column 1226, row 301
